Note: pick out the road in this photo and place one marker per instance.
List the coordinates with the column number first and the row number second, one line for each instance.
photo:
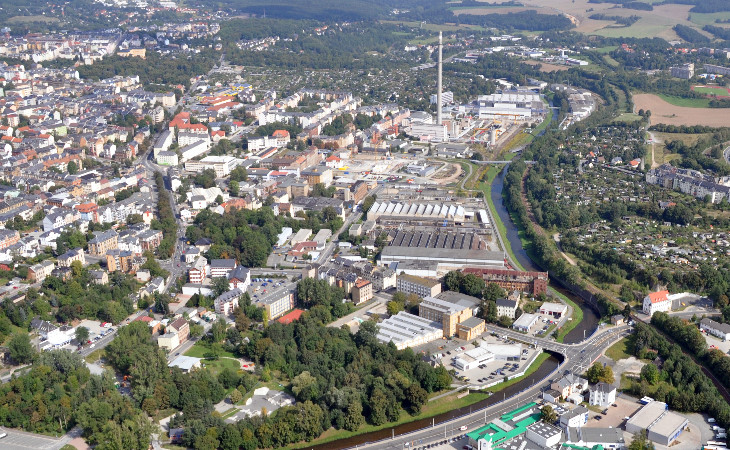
column 21, row 440
column 577, row 358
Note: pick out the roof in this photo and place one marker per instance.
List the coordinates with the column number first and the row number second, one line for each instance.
column 660, row 296
column 185, row 362
column 419, row 280
column 525, row 320
column 721, row 327
column 595, row 435
column 545, row 430
column 471, row 322
column 506, row 303
column 602, row 387
column 222, row 263
column 554, row 307
column 361, row 283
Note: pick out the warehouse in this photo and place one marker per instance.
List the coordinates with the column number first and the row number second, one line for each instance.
column 416, row 210
column 662, row 426
column 406, row 330
column 555, row 310
column 525, row 322
column 441, row 260
column 471, row 359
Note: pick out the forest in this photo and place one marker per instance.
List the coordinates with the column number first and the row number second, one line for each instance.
column 690, row 35
column 680, row 381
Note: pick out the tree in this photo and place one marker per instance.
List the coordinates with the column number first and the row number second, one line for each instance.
column 82, row 335
column 233, row 188
column 640, row 442
column 162, row 303
column 650, row 373
column 239, row 174
column 220, row 286
column 353, row 416
column 548, row 415
column 72, row 167
column 21, row 350
column 598, row 372
column 493, row 291
column 236, row 396
column 394, row 307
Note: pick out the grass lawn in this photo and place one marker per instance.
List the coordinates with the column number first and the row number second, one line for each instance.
column 577, row 318
column 619, row 350
column 430, row 409
column 719, row 91
column 229, row 413
column 686, row 102
column 95, row 356
column 607, row 49
column 198, row 351
column 218, row 365
column 628, row 117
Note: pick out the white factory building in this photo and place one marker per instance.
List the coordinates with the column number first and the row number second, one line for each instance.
column 520, row 105
column 471, row 359
column 425, row 210
column 661, row 425
column 407, row 330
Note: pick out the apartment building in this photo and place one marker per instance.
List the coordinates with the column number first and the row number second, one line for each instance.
column 423, row 287
column 199, row 271
column 103, row 242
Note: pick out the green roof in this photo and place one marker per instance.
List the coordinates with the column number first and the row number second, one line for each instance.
column 578, row 447
column 493, row 433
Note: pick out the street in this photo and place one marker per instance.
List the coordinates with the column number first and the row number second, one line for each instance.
column 577, row 358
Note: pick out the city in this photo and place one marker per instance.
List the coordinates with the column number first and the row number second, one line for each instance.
column 359, row 224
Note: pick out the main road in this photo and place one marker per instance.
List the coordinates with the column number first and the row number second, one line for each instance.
column 577, row 357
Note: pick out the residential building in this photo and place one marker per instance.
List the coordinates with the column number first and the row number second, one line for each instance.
column 39, row 272
column 601, row 394
column 576, row 417
column 447, row 313
column 422, row 287
column 167, row 158
column 121, row 260
column 70, row 256
column 8, row 238
column 569, row 384
column 228, row 301
column 685, row 71
column 199, row 271
column 506, row 307
column 168, row 341
column 240, row 278
column 362, row 291
column 181, row 327
column 221, row 267
column 721, row 330
column 102, row 242
column 657, row 301
column 661, row 425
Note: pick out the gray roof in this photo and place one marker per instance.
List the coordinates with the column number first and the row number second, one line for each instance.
column 721, row 327
column 506, row 303
column 472, row 322
column 595, row 435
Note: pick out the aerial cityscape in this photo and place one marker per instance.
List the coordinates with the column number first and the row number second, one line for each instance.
column 365, row 224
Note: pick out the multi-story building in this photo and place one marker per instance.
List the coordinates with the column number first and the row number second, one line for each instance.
column 240, row 278
column 103, row 242
column 447, row 313
column 70, row 256
column 122, row 260
column 318, row 174
column 362, row 291
column 471, row 328
column 228, row 301
column 657, row 301
column 685, row 71
column 510, row 280
column 423, row 287
column 601, row 394
column 39, row 272
column 506, row 307
column 181, row 327
column 277, row 303
column 221, row 267
column 8, row 238
column 199, row 271
column 150, row 239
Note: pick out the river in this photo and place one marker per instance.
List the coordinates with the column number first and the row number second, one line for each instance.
column 590, row 319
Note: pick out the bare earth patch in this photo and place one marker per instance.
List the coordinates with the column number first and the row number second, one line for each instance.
column 547, row 67
column 663, row 112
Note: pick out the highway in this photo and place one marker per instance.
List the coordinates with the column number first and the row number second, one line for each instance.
column 577, row 358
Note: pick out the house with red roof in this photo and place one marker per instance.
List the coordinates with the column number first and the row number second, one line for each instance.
column 657, row 301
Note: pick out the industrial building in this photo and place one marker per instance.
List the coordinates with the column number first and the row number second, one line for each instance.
column 534, row 283
column 406, row 330
column 514, row 105
column 525, row 322
column 556, row 310
column 661, row 425
column 510, row 430
column 448, row 314
column 424, row 261
column 482, row 355
column 420, row 211
column 471, row 328
column 590, row 438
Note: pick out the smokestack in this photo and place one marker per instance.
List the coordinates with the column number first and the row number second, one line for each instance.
column 438, row 91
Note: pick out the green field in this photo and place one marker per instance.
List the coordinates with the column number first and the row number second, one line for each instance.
column 719, row 91
column 28, row 19
column 199, row 351
column 709, row 18
column 628, row 117
column 605, row 50
column 619, row 350
column 686, row 102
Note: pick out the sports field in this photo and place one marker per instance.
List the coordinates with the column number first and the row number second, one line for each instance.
column 665, row 112
column 719, row 91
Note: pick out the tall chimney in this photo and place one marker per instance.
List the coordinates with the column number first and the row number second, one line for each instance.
column 438, row 91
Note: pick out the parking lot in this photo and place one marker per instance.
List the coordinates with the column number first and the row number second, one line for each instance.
column 263, row 286
column 459, row 441
column 510, row 360
column 544, row 326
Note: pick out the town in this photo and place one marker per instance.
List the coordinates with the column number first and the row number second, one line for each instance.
column 453, row 226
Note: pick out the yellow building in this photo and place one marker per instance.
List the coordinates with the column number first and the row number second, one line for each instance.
column 471, row 328
column 447, row 313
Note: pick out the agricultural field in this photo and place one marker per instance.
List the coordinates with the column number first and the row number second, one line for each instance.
column 547, row 67
column 686, row 102
column 29, row 19
column 667, row 113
